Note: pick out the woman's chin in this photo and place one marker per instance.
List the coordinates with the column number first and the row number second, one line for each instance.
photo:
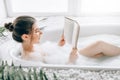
column 38, row 42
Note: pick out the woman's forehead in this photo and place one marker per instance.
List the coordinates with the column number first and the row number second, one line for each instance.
column 35, row 25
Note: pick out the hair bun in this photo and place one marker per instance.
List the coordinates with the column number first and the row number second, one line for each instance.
column 9, row 26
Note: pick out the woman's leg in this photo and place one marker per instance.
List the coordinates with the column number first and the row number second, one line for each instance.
column 99, row 49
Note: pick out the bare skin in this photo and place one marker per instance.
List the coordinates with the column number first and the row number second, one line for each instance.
column 30, row 39
column 99, row 49
column 95, row 50
column 73, row 56
column 61, row 41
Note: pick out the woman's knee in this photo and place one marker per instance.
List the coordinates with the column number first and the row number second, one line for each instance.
column 98, row 55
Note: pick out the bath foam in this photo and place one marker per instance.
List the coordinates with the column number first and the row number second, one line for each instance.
column 109, row 38
column 59, row 58
column 59, row 55
column 103, row 61
column 54, row 53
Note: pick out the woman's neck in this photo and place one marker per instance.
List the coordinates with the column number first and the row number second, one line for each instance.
column 27, row 47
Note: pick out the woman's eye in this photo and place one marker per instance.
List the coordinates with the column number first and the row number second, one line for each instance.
column 36, row 31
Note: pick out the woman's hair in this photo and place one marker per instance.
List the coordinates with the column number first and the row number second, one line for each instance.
column 21, row 25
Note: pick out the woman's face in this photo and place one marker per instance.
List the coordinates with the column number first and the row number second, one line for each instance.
column 36, row 34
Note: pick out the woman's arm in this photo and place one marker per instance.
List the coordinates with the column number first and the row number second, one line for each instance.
column 73, row 56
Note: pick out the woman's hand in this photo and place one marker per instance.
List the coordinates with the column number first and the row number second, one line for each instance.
column 62, row 41
column 73, row 56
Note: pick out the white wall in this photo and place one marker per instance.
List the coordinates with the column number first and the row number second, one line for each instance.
column 97, row 8
column 98, row 25
column 2, row 10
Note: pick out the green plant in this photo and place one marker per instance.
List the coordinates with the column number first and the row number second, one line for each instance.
column 19, row 73
column 2, row 29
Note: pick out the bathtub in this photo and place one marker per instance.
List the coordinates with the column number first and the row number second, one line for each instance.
column 88, row 31
column 83, row 62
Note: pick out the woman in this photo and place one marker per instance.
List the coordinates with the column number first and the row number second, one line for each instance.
column 26, row 31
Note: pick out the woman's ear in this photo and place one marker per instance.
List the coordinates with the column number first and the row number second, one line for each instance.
column 25, row 37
